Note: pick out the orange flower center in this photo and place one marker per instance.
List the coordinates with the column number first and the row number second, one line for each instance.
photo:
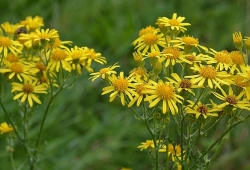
column 40, row 66
column 121, row 84
column 240, row 81
column 16, row 68
column 59, row 55
column 237, row 57
column 208, row 72
column 12, row 58
column 104, row 70
column 174, row 52
column 185, row 84
column 174, row 22
column 190, row 57
column 27, row 88
column 150, row 39
column 231, row 99
column 165, row 92
column 203, row 109
column 139, row 89
column 223, row 57
column 5, row 42
column 190, row 40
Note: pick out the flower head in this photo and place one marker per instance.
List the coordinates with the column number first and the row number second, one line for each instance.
column 28, row 90
column 32, row 24
column 105, row 72
column 7, row 44
column 237, row 39
column 164, row 92
column 222, row 60
column 120, row 86
column 5, row 128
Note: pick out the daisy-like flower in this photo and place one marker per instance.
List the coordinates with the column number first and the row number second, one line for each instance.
column 28, row 91
column 18, row 70
column 91, row 55
column 45, row 35
column 208, row 76
column 164, row 92
column 105, row 72
column 175, row 23
column 144, row 31
column 60, row 44
column 222, row 59
column 150, row 42
column 238, row 61
column 201, row 109
column 237, row 39
column 74, row 56
column 145, row 145
column 5, row 128
column 187, row 43
column 173, row 55
column 139, row 73
column 120, row 86
column 140, row 96
column 9, row 28
column 7, row 44
column 243, row 80
column 32, row 24
column 57, row 60
column 197, row 58
column 232, row 100
column 182, row 85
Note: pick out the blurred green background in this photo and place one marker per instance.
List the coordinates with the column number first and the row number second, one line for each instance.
column 85, row 131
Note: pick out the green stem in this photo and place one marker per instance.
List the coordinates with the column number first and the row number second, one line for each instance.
column 166, row 142
column 181, row 137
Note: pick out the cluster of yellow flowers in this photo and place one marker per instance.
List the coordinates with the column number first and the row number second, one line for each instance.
column 34, row 60
column 170, row 67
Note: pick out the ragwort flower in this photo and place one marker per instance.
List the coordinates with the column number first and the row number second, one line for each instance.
column 104, row 72
column 7, row 44
column 5, row 128
column 222, row 60
column 28, row 91
column 120, row 86
column 208, row 76
column 164, row 92
column 32, row 24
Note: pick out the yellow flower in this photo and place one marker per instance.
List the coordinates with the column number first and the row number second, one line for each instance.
column 45, row 35
column 10, row 28
column 105, row 72
column 208, row 76
column 17, row 70
column 175, row 23
column 237, row 39
column 164, row 92
column 151, row 40
column 91, row 55
column 148, row 144
column 201, row 109
column 58, row 60
column 231, row 99
column 7, row 44
column 182, row 85
column 32, row 24
column 187, row 43
column 173, row 55
column 222, row 60
column 74, row 56
column 5, row 128
column 27, row 91
column 140, row 96
column 238, row 61
column 61, row 44
column 120, row 86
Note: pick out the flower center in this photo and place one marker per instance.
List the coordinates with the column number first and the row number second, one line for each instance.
column 208, row 72
column 237, row 57
column 40, row 66
column 190, row 40
column 165, row 92
column 190, row 57
column 59, row 55
column 44, row 36
column 174, row 22
column 139, row 89
column 150, row 38
column 5, row 42
column 16, row 68
column 231, row 99
column 223, row 57
column 77, row 54
column 146, row 30
column 27, row 88
column 175, row 53
column 121, row 84
column 12, row 58
column 104, row 70
column 185, row 84
column 240, row 81
column 202, row 109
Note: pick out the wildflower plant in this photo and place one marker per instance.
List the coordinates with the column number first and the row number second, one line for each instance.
column 185, row 87
column 37, row 66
